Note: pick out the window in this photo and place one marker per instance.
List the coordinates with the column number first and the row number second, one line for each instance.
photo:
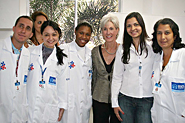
column 64, row 11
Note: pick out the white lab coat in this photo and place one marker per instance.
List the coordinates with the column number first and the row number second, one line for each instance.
column 79, row 85
column 44, row 103
column 13, row 102
column 169, row 103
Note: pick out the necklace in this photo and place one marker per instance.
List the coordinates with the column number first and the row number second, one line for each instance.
column 109, row 52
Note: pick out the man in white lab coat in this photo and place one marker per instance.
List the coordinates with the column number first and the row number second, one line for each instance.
column 14, row 61
column 78, row 76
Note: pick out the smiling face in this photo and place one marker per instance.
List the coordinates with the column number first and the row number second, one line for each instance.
column 133, row 28
column 22, row 31
column 38, row 22
column 165, row 37
column 83, row 35
column 109, row 32
column 50, row 37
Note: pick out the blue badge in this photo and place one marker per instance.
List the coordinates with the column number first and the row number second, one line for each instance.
column 158, row 85
column 52, row 80
column 177, row 87
column 41, row 82
column 90, row 71
column 25, row 79
column 17, row 84
column 90, row 74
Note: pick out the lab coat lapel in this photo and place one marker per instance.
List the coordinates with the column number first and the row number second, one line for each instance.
column 24, row 55
column 87, row 54
column 38, row 52
column 51, row 58
column 73, row 49
column 8, row 45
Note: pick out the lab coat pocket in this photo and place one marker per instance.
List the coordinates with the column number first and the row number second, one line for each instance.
column 51, row 113
column 25, row 112
column 177, row 86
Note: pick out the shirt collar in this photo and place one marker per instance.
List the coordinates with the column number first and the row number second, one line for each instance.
column 15, row 50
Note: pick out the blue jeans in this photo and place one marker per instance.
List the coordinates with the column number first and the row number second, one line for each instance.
column 137, row 110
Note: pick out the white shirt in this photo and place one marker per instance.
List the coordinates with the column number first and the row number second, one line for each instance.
column 128, row 79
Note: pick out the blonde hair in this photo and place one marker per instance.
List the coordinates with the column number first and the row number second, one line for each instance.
column 110, row 17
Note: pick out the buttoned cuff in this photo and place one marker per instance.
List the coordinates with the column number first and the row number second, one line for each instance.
column 114, row 102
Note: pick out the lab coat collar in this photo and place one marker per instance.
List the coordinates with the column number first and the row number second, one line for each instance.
column 174, row 57
column 8, row 47
column 38, row 51
column 73, row 49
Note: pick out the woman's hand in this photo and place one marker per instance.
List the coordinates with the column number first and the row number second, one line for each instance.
column 61, row 112
column 116, row 111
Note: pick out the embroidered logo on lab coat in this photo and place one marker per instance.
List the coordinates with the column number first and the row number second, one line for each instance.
column 31, row 67
column 152, row 74
column 72, row 65
column 2, row 66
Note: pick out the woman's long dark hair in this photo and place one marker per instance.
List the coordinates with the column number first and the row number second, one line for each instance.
column 175, row 29
column 127, row 39
column 59, row 52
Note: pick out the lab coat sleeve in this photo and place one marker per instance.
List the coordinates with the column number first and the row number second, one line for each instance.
column 62, row 87
column 117, row 77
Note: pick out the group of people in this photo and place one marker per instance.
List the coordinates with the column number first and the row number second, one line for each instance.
column 137, row 81
column 45, row 82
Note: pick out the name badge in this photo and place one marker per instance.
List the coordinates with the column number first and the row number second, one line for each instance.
column 52, row 80
column 158, row 85
column 90, row 74
column 17, row 85
column 41, row 84
column 25, row 79
column 177, row 87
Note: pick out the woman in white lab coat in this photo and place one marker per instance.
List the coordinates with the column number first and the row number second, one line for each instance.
column 79, row 71
column 46, row 87
column 168, row 73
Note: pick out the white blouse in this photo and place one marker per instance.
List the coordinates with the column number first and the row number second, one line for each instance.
column 133, row 79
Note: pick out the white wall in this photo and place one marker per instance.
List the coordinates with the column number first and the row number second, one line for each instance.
column 152, row 11
column 10, row 10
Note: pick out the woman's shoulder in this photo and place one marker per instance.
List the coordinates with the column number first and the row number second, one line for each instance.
column 96, row 48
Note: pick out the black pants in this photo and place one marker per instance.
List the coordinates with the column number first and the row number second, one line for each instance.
column 103, row 113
